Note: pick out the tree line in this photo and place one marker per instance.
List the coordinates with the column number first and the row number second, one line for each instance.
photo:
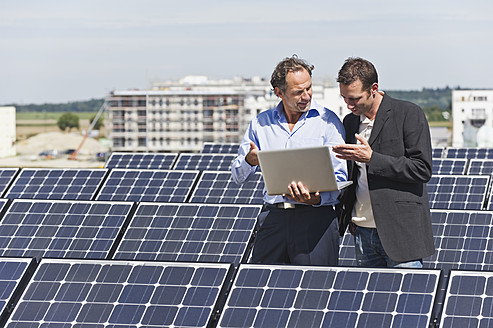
column 434, row 102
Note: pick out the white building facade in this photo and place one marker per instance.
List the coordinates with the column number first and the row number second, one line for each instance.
column 7, row 131
column 181, row 115
column 472, row 113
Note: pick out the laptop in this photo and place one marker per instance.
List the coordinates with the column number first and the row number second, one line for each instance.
column 312, row 166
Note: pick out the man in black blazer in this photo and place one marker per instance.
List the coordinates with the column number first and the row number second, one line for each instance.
column 388, row 146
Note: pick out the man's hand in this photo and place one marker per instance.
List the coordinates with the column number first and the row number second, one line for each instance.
column 251, row 158
column 301, row 194
column 351, row 152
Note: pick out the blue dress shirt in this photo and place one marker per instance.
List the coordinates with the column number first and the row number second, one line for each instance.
column 269, row 130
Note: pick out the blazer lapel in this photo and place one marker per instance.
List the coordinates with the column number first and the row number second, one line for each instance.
column 382, row 116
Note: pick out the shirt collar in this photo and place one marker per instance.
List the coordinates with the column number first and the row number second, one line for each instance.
column 365, row 120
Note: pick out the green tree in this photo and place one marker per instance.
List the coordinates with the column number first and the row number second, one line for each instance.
column 99, row 123
column 68, row 120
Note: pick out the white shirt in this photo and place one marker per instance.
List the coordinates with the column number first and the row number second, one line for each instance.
column 362, row 211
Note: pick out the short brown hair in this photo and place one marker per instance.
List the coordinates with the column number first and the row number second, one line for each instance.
column 288, row 64
column 355, row 68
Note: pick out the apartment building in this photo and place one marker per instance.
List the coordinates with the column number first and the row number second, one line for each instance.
column 181, row 115
column 472, row 113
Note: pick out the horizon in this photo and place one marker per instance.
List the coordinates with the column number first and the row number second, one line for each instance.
column 58, row 52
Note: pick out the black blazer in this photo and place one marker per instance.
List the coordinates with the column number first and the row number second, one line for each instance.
column 398, row 170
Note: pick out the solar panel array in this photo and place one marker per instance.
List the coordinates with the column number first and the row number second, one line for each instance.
column 449, row 166
column 469, row 152
column 157, row 161
column 203, row 162
column 6, row 177
column 463, row 240
column 148, row 185
column 153, row 240
column 468, row 301
column 120, row 294
column 62, row 229
column 12, row 272
column 292, row 296
column 76, row 184
column 480, row 166
column 220, row 148
column 468, row 192
column 189, row 232
column 218, row 187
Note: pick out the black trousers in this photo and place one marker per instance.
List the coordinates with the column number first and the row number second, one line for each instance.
column 304, row 235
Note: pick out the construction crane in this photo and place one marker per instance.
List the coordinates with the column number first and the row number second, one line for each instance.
column 96, row 118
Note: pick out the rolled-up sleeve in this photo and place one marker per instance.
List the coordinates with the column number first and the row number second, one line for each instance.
column 241, row 171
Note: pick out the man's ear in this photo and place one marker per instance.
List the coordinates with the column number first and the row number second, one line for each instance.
column 278, row 92
column 374, row 89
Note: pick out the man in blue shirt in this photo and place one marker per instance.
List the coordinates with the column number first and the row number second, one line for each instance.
column 299, row 228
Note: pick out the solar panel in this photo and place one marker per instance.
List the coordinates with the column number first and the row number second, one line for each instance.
column 65, row 293
column 457, row 192
column 463, row 240
column 449, row 166
column 220, row 148
column 437, row 152
column 3, row 202
column 204, row 162
column 296, row 296
column 189, row 232
column 12, row 271
column 480, row 167
column 468, row 301
column 218, row 187
column 6, row 177
column 347, row 254
column 148, row 185
column 469, row 152
column 61, row 229
column 157, row 161
column 75, row 184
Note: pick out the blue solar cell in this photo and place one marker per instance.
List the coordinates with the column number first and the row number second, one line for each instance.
column 480, row 167
column 6, row 177
column 74, row 184
column 69, row 229
column 457, row 192
column 12, row 272
column 276, row 296
column 462, row 240
column 218, row 187
column 204, row 162
column 157, row 161
column 468, row 301
column 449, row 166
column 189, row 232
column 470, row 152
column 347, row 255
column 147, row 185
column 437, row 152
column 66, row 293
column 220, row 148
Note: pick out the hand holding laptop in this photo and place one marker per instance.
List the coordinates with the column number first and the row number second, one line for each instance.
column 301, row 194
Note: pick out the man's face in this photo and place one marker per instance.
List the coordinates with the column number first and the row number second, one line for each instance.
column 298, row 94
column 358, row 101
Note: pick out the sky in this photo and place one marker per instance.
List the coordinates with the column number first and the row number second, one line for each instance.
column 57, row 51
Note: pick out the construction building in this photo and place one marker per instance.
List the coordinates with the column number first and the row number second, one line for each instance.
column 181, row 115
